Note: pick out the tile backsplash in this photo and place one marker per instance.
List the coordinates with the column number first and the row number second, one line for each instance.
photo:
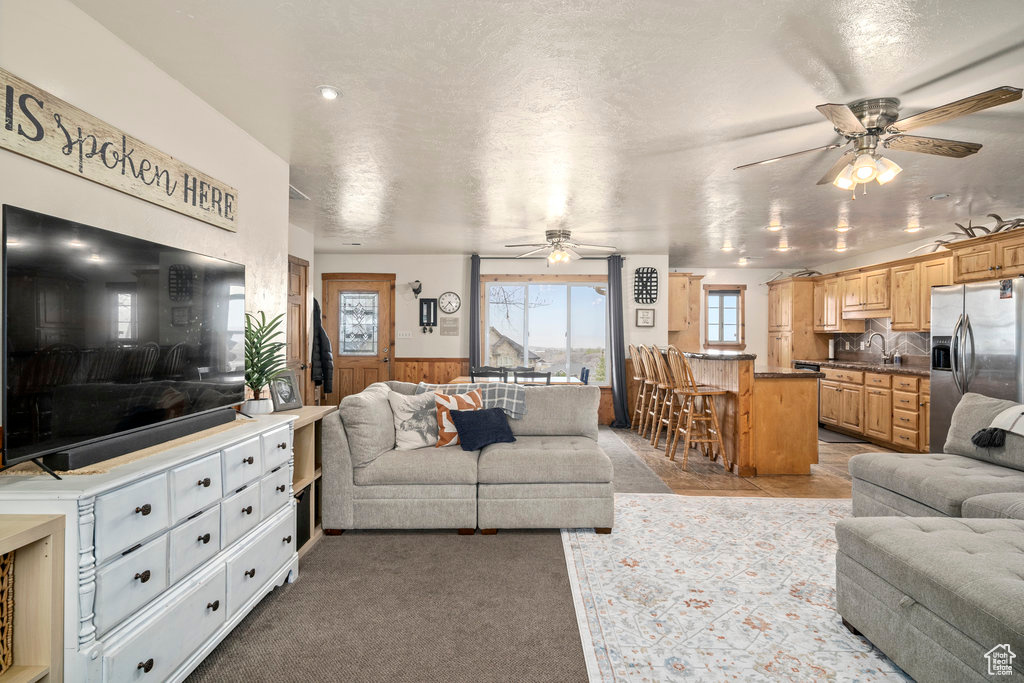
column 907, row 343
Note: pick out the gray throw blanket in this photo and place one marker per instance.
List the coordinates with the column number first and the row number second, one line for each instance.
column 994, row 436
column 511, row 398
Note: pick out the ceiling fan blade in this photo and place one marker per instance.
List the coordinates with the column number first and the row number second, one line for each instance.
column 837, row 167
column 600, row 247
column 944, row 148
column 787, row 156
column 531, row 253
column 538, row 244
column 842, row 117
column 573, row 254
column 968, row 105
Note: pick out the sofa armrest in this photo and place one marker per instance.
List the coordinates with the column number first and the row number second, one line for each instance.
column 336, row 506
column 997, row 505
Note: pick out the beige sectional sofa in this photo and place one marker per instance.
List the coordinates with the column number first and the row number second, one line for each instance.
column 553, row 476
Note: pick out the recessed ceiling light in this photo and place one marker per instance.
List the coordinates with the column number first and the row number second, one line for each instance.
column 727, row 247
column 329, row 92
column 743, row 261
column 840, row 248
column 940, row 196
column 912, row 228
column 774, row 226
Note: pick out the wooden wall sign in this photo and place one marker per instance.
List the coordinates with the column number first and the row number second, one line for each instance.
column 48, row 129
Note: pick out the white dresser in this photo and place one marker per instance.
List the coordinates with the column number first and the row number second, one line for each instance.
column 165, row 555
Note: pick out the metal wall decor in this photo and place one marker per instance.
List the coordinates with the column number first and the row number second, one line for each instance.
column 179, row 283
column 428, row 315
column 645, row 285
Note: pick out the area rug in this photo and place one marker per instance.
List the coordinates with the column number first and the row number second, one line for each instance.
column 828, row 436
column 715, row 588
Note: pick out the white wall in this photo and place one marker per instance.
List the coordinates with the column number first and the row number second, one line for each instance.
column 442, row 273
column 755, row 301
column 57, row 47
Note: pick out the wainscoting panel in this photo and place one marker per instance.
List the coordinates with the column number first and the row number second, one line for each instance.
column 430, row 370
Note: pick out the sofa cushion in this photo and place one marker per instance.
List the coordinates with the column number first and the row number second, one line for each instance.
column 369, row 423
column 422, row 466
column 447, row 433
column 479, row 428
column 545, row 460
column 559, row 410
column 973, row 413
column 1005, row 505
column 967, row 571
column 415, row 420
column 939, row 480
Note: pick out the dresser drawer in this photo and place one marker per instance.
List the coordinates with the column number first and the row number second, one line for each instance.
column 155, row 651
column 277, row 447
column 904, row 383
column 874, row 379
column 193, row 543
column 848, row 376
column 275, row 490
column 195, row 486
column 130, row 514
column 253, row 567
column 904, row 401
column 128, row 583
column 905, row 419
column 239, row 514
column 905, row 437
column 242, row 463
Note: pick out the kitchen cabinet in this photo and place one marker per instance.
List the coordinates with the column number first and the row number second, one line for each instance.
column 878, row 413
column 791, row 323
column 866, row 294
column 828, row 308
column 989, row 257
column 852, row 408
column 974, row 263
column 684, row 311
column 830, row 402
column 924, row 405
column 906, row 297
column 935, row 273
column 1010, row 257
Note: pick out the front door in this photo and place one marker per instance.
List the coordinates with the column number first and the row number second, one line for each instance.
column 297, row 337
column 358, row 316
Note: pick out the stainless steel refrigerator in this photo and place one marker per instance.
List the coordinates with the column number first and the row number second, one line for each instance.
column 976, row 347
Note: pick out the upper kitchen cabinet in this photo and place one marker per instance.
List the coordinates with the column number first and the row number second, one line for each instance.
column 780, row 305
column 937, row 272
column 989, row 257
column 866, row 294
column 684, row 304
column 828, row 306
column 906, row 297
column 791, row 323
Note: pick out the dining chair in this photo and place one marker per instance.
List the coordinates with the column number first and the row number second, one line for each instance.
column 532, row 374
column 585, row 375
column 488, row 371
column 698, row 422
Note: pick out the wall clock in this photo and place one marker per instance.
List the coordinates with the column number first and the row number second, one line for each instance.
column 645, row 285
column 449, row 302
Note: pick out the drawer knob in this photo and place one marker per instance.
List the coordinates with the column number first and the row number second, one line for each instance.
column 205, row 483
column 204, row 539
column 143, row 576
column 283, row 445
column 247, row 510
column 215, row 605
column 251, row 573
column 286, row 539
column 248, row 461
column 144, row 509
column 146, row 666
column 281, row 488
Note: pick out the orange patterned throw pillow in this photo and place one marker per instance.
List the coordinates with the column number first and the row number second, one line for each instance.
column 447, row 435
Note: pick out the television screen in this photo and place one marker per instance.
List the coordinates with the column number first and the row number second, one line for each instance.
column 106, row 334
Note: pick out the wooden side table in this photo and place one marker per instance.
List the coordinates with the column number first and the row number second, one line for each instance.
column 38, row 544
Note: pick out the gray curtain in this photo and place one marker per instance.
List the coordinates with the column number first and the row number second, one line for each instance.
column 474, row 312
column 617, row 345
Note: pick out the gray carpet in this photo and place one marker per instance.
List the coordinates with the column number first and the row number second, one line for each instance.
column 828, row 436
column 422, row 606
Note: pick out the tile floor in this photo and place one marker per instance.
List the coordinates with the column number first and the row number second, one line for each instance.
column 828, row 479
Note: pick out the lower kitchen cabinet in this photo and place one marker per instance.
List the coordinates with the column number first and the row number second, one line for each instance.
column 852, row 402
column 878, row 413
column 830, row 399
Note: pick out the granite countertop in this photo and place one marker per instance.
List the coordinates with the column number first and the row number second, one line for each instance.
column 866, row 366
column 719, row 355
column 775, row 372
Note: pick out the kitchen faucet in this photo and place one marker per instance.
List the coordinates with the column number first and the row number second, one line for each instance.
column 886, row 357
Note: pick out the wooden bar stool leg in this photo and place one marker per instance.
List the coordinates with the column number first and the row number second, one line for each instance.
column 666, row 416
column 638, row 407
column 651, row 407
column 683, row 410
column 718, row 435
column 689, row 436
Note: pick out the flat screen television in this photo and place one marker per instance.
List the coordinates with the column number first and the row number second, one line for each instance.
column 107, row 337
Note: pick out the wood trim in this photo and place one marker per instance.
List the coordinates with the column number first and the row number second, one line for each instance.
column 561, row 277
column 299, row 261
column 358, row 276
column 709, row 286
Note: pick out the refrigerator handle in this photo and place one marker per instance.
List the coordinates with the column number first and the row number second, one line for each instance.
column 968, row 334
column 955, row 354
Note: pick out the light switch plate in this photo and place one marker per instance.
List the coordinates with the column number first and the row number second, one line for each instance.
column 404, row 334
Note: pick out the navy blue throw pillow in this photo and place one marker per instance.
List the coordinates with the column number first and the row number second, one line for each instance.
column 479, row 428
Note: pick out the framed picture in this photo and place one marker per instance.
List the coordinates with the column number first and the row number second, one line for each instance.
column 284, row 389
column 180, row 315
column 645, row 317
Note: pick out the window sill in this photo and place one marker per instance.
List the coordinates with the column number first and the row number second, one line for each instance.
column 725, row 347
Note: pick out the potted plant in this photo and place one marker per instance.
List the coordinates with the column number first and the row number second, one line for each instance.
column 263, row 359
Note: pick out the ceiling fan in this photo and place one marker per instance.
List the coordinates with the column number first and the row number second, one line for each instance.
column 559, row 247
column 865, row 123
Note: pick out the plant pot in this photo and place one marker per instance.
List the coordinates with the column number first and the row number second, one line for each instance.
column 258, row 406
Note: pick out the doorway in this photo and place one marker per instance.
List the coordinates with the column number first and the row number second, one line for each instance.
column 358, row 311
column 297, row 326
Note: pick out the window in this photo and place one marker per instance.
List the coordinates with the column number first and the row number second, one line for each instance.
column 552, row 325
column 723, row 316
column 124, row 303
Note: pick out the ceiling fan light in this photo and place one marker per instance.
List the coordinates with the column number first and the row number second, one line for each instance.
column 864, row 168
column 887, row 170
column 558, row 255
column 845, row 181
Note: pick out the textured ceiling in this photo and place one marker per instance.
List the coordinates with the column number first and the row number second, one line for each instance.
column 466, row 125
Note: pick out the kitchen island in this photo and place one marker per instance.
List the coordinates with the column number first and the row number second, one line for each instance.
column 769, row 415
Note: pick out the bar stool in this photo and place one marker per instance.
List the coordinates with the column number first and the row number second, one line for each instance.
column 638, row 378
column 646, row 389
column 662, row 395
column 698, row 420
column 672, row 407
